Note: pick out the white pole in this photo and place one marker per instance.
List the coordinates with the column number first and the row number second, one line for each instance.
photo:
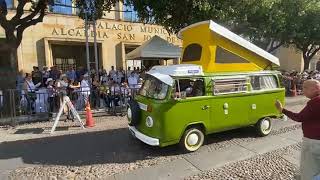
column 95, row 38
column 87, row 38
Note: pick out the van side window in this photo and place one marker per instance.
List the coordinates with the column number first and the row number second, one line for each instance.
column 229, row 86
column 192, row 53
column 225, row 56
column 263, row 82
column 185, row 88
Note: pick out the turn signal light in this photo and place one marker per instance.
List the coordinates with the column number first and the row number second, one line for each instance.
column 149, row 108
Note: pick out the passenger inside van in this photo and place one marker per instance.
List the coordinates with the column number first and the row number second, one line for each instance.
column 189, row 88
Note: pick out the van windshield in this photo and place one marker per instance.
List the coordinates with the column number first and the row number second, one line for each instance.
column 154, row 88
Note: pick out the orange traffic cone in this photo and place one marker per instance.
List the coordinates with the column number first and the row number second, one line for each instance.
column 89, row 119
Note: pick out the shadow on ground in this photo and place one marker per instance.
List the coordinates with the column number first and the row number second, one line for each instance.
column 30, row 131
column 110, row 146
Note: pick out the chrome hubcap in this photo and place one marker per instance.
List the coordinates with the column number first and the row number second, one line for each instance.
column 265, row 126
column 192, row 139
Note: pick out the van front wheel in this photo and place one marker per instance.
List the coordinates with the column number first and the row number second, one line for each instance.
column 264, row 126
column 192, row 139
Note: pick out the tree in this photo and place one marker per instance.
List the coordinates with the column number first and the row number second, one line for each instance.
column 305, row 31
column 262, row 22
column 15, row 27
column 22, row 19
column 175, row 15
column 268, row 23
column 100, row 7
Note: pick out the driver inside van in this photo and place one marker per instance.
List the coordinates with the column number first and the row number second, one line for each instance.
column 198, row 88
column 189, row 88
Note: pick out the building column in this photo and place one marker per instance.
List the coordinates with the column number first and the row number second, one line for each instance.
column 48, row 53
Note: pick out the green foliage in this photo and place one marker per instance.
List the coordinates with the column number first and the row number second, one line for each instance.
column 267, row 23
column 177, row 14
column 101, row 6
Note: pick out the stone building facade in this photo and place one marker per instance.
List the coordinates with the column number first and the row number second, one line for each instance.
column 291, row 59
column 60, row 40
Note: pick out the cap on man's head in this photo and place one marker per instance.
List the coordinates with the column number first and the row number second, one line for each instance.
column 48, row 80
column 63, row 76
column 86, row 75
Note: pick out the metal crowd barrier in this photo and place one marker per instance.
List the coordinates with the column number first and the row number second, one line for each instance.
column 18, row 106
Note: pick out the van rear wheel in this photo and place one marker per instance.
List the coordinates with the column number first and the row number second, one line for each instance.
column 264, row 126
column 192, row 139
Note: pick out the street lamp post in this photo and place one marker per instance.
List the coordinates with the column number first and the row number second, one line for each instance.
column 87, row 36
column 90, row 7
column 95, row 38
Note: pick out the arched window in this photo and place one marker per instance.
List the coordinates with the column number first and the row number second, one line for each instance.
column 192, row 53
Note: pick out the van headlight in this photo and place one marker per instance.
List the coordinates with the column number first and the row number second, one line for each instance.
column 149, row 121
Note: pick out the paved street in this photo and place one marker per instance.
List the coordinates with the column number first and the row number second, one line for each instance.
column 109, row 152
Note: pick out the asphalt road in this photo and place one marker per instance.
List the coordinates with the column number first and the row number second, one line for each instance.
column 111, row 148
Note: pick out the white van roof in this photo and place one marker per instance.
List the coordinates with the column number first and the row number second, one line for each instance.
column 164, row 73
column 178, row 70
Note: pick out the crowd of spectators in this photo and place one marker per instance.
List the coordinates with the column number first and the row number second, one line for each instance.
column 102, row 89
column 293, row 80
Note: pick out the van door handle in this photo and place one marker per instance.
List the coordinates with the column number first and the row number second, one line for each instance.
column 205, row 107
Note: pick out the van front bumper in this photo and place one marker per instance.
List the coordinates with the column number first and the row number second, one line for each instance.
column 146, row 139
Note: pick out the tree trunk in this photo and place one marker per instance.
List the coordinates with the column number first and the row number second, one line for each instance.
column 10, row 97
column 306, row 61
column 10, row 70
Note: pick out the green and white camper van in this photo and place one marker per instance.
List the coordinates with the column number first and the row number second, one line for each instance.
column 223, row 83
column 181, row 104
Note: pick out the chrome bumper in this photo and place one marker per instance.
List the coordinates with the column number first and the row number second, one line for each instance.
column 146, row 139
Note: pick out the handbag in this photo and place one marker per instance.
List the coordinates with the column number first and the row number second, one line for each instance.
column 31, row 95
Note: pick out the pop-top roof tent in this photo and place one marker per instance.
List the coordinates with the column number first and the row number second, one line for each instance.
column 219, row 50
column 154, row 49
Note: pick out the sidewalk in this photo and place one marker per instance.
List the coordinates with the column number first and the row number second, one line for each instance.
column 195, row 164
column 292, row 101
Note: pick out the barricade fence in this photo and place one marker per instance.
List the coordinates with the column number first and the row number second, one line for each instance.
column 19, row 106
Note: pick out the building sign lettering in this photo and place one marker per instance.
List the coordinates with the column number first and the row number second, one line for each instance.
column 122, row 32
column 153, row 30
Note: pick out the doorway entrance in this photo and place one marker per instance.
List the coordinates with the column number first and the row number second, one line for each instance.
column 132, row 63
column 74, row 55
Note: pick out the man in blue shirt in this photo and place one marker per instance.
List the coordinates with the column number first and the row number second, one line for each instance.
column 71, row 74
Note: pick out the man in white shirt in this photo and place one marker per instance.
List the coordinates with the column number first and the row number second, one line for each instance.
column 120, row 76
column 85, row 91
column 29, row 92
column 115, row 94
column 136, row 74
column 132, row 80
column 129, row 71
column 112, row 72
